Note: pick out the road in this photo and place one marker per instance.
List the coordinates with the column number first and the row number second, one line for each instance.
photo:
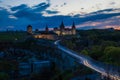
column 82, row 59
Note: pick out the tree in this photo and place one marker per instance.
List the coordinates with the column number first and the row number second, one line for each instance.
column 96, row 52
column 4, row 76
column 85, row 52
column 112, row 55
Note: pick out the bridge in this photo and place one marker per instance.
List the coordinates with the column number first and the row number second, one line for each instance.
column 106, row 70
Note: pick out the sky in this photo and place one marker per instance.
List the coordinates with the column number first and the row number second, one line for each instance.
column 87, row 14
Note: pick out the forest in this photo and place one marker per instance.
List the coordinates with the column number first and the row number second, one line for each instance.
column 100, row 44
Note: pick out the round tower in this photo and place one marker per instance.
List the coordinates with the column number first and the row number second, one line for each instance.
column 29, row 29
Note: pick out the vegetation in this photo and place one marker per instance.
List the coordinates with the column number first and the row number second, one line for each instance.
column 102, row 45
column 4, row 76
column 12, row 35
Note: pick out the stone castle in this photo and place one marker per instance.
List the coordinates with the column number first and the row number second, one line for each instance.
column 47, row 34
column 65, row 31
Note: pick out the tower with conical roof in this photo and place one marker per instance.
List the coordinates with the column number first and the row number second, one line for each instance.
column 29, row 29
column 46, row 29
column 73, row 29
column 62, row 27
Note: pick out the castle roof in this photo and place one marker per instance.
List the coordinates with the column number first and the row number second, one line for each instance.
column 29, row 26
column 73, row 25
column 62, row 25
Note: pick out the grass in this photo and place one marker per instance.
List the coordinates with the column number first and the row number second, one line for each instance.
column 12, row 36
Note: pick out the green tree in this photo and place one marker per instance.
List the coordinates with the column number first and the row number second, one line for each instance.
column 4, row 76
column 112, row 55
column 96, row 52
column 85, row 52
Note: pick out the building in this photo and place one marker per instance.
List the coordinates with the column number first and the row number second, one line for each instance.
column 42, row 34
column 52, row 35
column 45, row 34
column 29, row 29
column 61, row 31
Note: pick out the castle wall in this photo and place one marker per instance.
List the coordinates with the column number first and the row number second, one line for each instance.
column 46, row 36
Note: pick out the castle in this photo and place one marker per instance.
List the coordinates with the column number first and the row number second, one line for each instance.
column 54, row 34
column 61, row 31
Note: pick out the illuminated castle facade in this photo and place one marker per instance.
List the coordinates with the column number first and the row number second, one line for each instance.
column 54, row 34
column 61, row 31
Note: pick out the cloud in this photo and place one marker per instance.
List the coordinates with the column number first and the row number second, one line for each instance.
column 41, row 7
column 112, row 3
column 106, row 11
column 12, row 17
column 24, row 15
column 4, row 19
column 20, row 7
column 51, row 12
column 63, row 4
column 3, row 15
column 34, row 13
column 41, row 4
column 10, row 27
column 111, row 22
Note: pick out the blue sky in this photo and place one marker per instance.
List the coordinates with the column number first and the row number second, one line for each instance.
column 17, row 14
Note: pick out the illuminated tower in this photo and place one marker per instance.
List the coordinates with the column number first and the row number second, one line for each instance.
column 73, row 29
column 29, row 29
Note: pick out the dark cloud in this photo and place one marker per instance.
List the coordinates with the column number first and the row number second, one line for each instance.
column 63, row 4
column 105, row 10
column 41, row 4
column 34, row 16
column 34, row 13
column 51, row 12
column 41, row 7
column 5, row 20
column 87, row 27
column 3, row 15
column 56, row 6
column 21, row 7
column 82, row 8
column 28, row 14
column 100, row 16
column 112, row 3
column 1, row 8
column 77, row 15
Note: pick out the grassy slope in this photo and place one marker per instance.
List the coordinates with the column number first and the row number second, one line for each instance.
column 12, row 36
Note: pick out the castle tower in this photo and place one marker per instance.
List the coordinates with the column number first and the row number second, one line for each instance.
column 46, row 29
column 62, row 27
column 73, row 29
column 29, row 29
